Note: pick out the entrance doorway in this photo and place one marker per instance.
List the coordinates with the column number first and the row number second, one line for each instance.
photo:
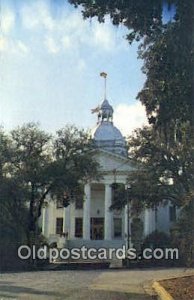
column 97, row 229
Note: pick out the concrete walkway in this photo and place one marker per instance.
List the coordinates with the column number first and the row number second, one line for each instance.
column 92, row 285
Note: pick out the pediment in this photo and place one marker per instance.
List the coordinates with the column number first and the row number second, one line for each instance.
column 110, row 162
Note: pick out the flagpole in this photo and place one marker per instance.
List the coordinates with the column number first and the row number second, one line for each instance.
column 104, row 75
column 105, row 88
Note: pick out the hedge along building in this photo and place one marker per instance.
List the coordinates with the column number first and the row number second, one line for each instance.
column 88, row 220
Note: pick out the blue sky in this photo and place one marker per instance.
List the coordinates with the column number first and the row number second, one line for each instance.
column 50, row 61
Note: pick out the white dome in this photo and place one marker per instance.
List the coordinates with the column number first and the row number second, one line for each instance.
column 106, row 131
column 105, row 135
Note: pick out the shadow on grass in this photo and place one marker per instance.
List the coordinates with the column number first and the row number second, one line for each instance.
column 133, row 296
column 7, row 296
column 5, row 282
column 8, row 291
column 109, row 295
column 12, row 291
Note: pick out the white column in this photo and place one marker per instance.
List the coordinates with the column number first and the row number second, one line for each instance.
column 66, row 219
column 46, row 225
column 148, row 221
column 108, row 213
column 71, row 217
column 154, row 216
column 44, row 219
column 86, row 212
column 51, row 217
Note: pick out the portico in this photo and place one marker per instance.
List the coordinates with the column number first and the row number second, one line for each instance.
column 90, row 222
column 106, row 215
column 93, row 222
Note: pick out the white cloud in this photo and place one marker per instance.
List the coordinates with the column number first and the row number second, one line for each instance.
column 30, row 19
column 81, row 65
column 51, row 45
column 10, row 46
column 37, row 15
column 7, row 21
column 47, row 20
column 69, row 28
column 103, row 36
column 72, row 22
column 130, row 117
column 3, row 43
column 67, row 31
column 66, row 42
column 22, row 47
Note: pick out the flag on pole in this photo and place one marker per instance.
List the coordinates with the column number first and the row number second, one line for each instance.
column 103, row 74
column 95, row 110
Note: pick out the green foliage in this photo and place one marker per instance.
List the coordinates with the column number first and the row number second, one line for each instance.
column 157, row 240
column 137, row 233
column 31, row 155
column 163, row 171
column 168, row 90
column 73, row 163
column 12, row 209
column 34, row 164
column 166, row 172
column 140, row 17
column 182, row 235
column 29, row 164
column 119, row 196
column 43, row 164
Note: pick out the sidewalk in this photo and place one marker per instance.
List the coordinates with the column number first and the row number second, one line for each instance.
column 135, row 281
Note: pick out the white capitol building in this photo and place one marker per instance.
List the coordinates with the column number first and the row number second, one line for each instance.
column 89, row 222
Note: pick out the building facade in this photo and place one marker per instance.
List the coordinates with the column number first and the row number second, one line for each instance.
column 89, row 221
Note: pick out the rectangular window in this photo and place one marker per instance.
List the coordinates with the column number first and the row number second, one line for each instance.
column 117, row 227
column 78, row 227
column 59, row 225
column 172, row 213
